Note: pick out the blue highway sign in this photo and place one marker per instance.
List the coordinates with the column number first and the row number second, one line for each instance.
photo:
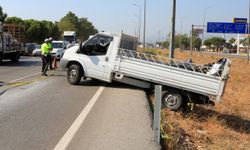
column 222, row 27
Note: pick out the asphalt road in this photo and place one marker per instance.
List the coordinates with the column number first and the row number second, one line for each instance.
column 36, row 115
column 46, row 113
column 27, row 66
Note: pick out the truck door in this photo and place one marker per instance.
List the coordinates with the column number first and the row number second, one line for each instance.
column 94, row 55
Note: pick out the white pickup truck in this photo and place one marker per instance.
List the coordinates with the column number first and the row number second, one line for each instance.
column 113, row 57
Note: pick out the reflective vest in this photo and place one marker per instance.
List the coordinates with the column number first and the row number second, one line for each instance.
column 50, row 46
column 45, row 48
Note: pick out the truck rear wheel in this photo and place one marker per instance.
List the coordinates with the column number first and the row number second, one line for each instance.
column 15, row 58
column 172, row 100
column 74, row 74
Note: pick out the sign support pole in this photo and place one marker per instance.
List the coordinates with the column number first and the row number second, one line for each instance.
column 238, row 44
column 157, row 114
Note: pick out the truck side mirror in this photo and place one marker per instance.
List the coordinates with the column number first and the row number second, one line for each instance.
column 82, row 47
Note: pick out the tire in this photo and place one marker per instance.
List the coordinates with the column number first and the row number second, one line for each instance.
column 15, row 58
column 172, row 100
column 74, row 74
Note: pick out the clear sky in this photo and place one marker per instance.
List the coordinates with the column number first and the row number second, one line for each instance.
column 118, row 15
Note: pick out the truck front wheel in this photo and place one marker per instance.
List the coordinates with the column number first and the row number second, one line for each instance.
column 172, row 100
column 74, row 74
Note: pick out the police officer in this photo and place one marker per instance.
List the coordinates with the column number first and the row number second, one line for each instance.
column 45, row 56
column 51, row 48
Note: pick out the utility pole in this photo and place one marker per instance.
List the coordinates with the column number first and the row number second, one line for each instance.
column 139, row 35
column 203, row 26
column 180, row 43
column 248, row 33
column 144, row 32
column 172, row 38
column 191, row 41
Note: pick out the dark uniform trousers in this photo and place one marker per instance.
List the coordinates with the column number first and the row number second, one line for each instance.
column 46, row 59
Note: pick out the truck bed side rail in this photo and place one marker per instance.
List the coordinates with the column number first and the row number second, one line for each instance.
column 215, row 69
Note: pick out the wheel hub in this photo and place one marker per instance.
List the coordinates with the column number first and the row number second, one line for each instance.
column 171, row 100
column 72, row 74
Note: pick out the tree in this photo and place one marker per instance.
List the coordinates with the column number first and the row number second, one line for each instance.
column 165, row 44
column 32, row 31
column 215, row 42
column 37, row 31
column 243, row 41
column 3, row 15
column 197, row 43
column 182, row 41
column 85, row 29
column 232, row 41
column 208, row 43
column 14, row 20
column 69, row 22
column 82, row 26
column 196, row 40
column 54, row 31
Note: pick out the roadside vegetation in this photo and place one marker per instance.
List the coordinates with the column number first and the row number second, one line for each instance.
column 37, row 30
column 225, row 126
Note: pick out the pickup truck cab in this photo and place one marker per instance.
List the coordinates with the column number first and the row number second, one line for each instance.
column 114, row 57
column 95, row 56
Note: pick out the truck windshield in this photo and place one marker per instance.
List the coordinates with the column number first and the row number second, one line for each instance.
column 57, row 45
column 69, row 38
column 97, row 45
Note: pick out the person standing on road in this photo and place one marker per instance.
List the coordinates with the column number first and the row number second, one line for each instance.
column 45, row 56
column 50, row 48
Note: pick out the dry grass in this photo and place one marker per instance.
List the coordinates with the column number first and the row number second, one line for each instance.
column 226, row 126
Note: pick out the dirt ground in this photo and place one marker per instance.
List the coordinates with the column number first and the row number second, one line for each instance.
column 225, row 126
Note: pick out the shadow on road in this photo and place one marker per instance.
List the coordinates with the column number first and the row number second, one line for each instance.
column 95, row 82
column 21, row 63
column 122, row 85
column 2, row 83
column 90, row 82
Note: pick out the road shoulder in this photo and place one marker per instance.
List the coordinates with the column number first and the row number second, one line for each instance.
column 121, row 119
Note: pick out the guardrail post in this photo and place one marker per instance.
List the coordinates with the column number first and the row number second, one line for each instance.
column 157, row 113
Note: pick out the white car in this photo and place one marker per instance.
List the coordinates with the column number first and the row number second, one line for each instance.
column 58, row 49
column 37, row 51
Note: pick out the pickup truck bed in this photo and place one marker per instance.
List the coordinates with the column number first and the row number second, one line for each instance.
column 195, row 78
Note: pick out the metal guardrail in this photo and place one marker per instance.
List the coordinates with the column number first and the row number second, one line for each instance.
column 203, row 69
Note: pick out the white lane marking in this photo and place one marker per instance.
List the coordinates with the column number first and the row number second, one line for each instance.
column 25, row 77
column 68, row 136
